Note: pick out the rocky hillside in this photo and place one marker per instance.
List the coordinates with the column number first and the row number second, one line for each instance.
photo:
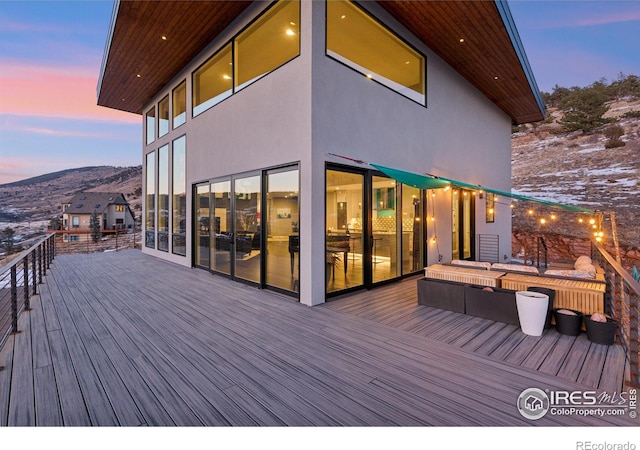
column 578, row 169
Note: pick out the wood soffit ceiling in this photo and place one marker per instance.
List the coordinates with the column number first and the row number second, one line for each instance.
column 486, row 57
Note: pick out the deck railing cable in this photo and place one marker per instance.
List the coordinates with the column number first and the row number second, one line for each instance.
column 621, row 302
column 19, row 281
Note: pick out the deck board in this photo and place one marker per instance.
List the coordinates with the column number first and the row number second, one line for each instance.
column 126, row 339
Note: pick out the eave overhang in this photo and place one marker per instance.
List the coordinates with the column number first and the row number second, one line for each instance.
column 477, row 38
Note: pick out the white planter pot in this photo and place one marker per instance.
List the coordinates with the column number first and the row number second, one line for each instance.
column 532, row 311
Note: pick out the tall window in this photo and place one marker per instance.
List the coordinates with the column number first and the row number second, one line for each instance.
column 490, row 205
column 180, row 104
column 151, row 125
column 212, row 82
column 163, row 198
column 268, row 43
column 359, row 41
column 150, row 201
column 179, row 204
column 163, row 116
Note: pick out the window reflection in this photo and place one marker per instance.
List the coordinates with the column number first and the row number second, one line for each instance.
column 150, row 201
column 282, row 230
column 359, row 41
column 180, row 104
column 212, row 82
column 163, row 116
column 151, row 125
column 163, row 198
column 268, row 43
column 179, row 204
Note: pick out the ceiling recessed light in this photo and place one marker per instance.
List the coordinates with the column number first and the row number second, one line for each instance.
column 495, row 78
column 226, row 77
column 461, row 40
column 138, row 75
column 164, row 38
column 290, row 32
column 293, row 24
column 407, row 62
column 344, row 16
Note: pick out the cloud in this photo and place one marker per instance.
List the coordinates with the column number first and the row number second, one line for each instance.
column 33, row 89
column 67, row 133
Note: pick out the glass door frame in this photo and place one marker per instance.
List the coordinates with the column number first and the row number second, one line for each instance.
column 458, row 201
column 262, row 174
column 367, row 228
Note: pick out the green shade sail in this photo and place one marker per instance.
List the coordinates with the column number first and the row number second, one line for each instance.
column 412, row 179
column 436, row 182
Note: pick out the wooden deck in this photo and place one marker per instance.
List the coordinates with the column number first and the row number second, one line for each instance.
column 570, row 358
column 127, row 339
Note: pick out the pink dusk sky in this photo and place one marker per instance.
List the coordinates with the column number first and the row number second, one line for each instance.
column 51, row 52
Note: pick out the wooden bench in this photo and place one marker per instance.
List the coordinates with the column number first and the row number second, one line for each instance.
column 464, row 275
column 586, row 296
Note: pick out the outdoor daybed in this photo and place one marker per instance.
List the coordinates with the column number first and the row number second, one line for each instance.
column 577, row 293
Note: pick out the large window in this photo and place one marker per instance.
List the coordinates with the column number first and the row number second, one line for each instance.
column 163, row 116
column 269, row 42
column 150, row 201
column 212, row 82
column 151, row 125
column 359, row 41
column 179, row 204
column 163, row 198
column 180, row 104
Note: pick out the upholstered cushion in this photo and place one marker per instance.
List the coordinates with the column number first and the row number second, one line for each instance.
column 514, row 268
column 478, row 264
column 582, row 260
column 571, row 274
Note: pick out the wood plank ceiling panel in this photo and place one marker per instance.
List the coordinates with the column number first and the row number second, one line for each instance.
column 137, row 47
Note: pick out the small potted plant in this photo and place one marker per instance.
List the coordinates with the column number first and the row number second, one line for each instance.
column 601, row 329
column 568, row 321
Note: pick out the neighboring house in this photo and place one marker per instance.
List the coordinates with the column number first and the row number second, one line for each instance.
column 245, row 106
column 112, row 209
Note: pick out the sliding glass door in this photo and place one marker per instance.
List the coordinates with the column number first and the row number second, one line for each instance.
column 234, row 227
column 374, row 229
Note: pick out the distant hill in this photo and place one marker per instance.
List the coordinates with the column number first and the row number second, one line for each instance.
column 40, row 198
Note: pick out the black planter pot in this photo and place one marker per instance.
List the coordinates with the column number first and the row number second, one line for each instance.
column 601, row 332
column 568, row 324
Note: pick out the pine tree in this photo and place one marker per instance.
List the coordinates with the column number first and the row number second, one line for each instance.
column 94, row 224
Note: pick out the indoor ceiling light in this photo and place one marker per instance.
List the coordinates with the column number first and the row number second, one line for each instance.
column 461, row 40
column 290, row 32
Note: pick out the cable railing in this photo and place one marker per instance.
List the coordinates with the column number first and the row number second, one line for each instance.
column 621, row 302
column 19, row 281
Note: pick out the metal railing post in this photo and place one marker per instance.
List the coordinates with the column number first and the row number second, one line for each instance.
column 14, row 300
column 40, row 263
column 25, row 282
column 34, row 273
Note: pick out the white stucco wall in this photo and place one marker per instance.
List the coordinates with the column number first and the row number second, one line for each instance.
column 314, row 105
column 460, row 134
